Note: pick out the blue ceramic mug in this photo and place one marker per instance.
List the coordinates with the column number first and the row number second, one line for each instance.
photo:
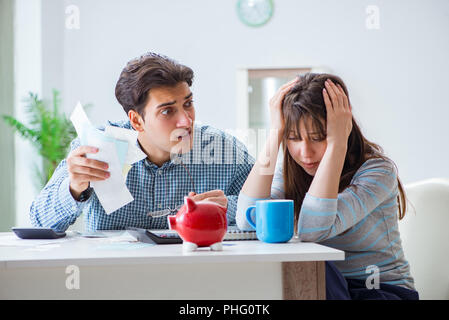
column 274, row 220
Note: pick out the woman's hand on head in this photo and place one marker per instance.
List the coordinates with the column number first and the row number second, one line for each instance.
column 339, row 114
column 276, row 116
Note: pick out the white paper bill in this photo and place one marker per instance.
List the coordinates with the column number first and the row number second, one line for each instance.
column 112, row 192
column 134, row 152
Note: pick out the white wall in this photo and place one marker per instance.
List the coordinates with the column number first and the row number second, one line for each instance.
column 7, row 156
column 28, row 78
column 396, row 75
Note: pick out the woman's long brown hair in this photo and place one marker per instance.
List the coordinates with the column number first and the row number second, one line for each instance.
column 305, row 101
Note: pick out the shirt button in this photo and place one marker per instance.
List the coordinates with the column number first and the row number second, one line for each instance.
column 159, row 172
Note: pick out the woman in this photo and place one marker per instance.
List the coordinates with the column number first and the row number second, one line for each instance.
column 346, row 192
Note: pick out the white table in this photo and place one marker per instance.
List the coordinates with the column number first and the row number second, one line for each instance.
column 243, row 270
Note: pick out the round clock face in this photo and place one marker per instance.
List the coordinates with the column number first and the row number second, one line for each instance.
column 255, row 13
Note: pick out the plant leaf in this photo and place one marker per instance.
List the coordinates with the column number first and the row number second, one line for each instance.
column 50, row 131
column 19, row 127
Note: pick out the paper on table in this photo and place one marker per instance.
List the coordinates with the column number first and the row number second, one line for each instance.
column 11, row 240
column 124, row 241
column 125, row 236
column 112, row 192
column 98, row 237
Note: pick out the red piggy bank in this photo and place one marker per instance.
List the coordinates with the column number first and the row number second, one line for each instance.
column 200, row 224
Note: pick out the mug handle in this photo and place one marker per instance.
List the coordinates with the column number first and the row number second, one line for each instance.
column 248, row 216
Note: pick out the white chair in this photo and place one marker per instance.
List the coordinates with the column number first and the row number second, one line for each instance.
column 425, row 236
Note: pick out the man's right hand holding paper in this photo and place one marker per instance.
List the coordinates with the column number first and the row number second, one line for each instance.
column 83, row 170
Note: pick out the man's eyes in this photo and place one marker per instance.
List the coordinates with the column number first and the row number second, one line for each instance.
column 167, row 111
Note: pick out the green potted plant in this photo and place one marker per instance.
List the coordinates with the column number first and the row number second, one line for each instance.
column 49, row 131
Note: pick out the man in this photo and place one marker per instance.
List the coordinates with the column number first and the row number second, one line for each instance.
column 182, row 159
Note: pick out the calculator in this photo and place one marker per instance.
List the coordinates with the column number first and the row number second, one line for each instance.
column 38, row 233
column 155, row 236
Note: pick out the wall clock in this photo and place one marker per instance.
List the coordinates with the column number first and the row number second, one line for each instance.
column 255, row 13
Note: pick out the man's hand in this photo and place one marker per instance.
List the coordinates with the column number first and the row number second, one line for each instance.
column 216, row 196
column 83, row 170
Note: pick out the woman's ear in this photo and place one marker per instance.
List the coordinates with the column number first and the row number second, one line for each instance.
column 136, row 120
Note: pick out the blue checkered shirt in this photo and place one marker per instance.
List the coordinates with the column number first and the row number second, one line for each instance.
column 216, row 161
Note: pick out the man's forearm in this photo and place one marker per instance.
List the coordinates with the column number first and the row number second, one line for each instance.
column 55, row 207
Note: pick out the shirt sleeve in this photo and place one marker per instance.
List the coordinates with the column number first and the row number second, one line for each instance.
column 244, row 202
column 372, row 184
column 55, row 206
column 243, row 167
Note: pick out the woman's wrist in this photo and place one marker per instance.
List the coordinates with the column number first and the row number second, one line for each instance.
column 267, row 157
column 326, row 181
column 337, row 154
column 276, row 135
column 337, row 146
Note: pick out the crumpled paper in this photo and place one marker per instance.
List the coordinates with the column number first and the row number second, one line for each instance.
column 117, row 147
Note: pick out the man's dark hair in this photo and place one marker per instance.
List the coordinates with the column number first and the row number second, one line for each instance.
column 149, row 71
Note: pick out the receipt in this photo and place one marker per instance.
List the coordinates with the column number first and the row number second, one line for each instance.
column 115, row 147
column 134, row 153
column 112, row 192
